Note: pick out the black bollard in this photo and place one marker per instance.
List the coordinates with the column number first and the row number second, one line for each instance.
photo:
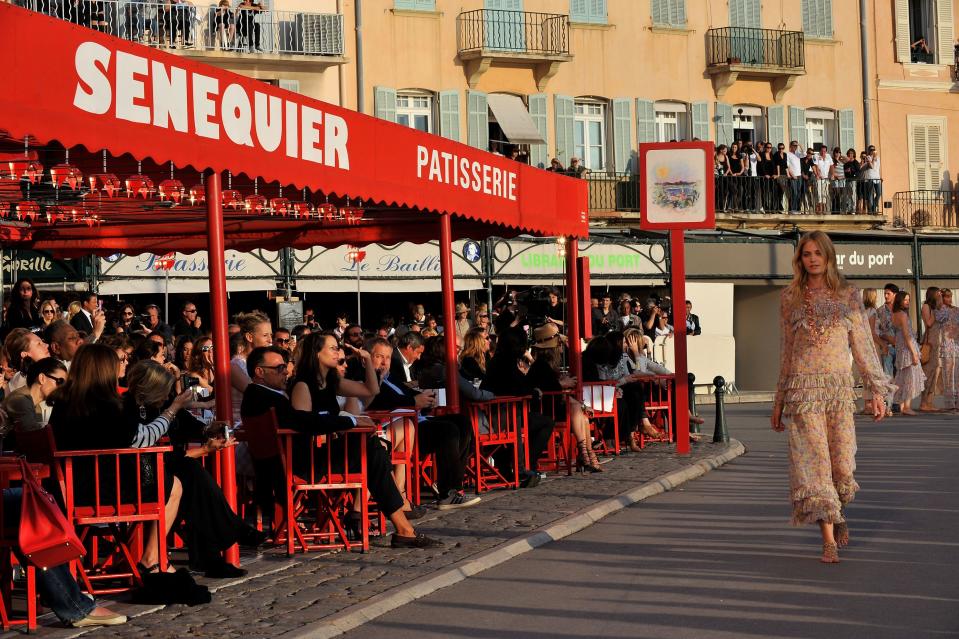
column 720, row 435
column 693, row 427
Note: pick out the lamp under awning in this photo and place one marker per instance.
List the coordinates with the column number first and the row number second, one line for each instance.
column 514, row 119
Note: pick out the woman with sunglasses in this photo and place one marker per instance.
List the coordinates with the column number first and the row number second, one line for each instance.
column 126, row 321
column 24, row 311
column 200, row 364
column 49, row 312
column 27, row 407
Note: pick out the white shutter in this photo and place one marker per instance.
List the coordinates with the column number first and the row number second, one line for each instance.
column 645, row 121
column 920, row 157
column 807, row 17
column 737, row 13
column 776, row 118
column 945, row 32
column 902, row 31
column 539, row 153
column 927, row 149
column 752, row 14
column 450, row 115
column 701, row 120
column 289, row 85
column 935, row 141
column 797, row 127
column 477, row 119
column 384, row 103
column 660, row 11
column 826, row 19
column 847, row 130
column 563, row 113
column 622, row 135
column 677, row 13
column 724, row 123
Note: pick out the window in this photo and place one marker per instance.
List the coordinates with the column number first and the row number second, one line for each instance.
column 415, row 110
column 748, row 125
column 925, row 31
column 589, row 11
column 821, row 128
column 817, row 18
column 589, row 135
column 927, row 153
column 669, row 13
column 415, row 5
column 672, row 121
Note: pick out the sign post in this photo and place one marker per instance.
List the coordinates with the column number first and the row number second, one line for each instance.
column 676, row 194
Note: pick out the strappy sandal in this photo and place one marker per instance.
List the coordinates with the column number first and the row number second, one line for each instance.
column 830, row 554
column 841, row 533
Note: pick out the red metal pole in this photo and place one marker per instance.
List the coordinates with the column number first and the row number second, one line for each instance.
column 449, row 313
column 221, row 339
column 572, row 305
column 584, row 310
column 677, row 252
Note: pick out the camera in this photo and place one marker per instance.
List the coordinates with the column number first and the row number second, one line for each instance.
column 533, row 303
column 188, row 381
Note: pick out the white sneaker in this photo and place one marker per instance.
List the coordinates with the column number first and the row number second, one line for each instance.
column 457, row 499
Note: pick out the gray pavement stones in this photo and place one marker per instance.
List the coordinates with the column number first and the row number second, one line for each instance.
column 325, row 594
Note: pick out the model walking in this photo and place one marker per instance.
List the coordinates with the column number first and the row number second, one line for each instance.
column 933, row 315
column 823, row 323
column 950, row 352
column 910, row 379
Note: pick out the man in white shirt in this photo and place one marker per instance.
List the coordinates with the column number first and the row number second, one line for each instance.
column 822, row 165
column 794, row 174
column 870, row 173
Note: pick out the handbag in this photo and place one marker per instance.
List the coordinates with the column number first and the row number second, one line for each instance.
column 46, row 537
column 925, row 352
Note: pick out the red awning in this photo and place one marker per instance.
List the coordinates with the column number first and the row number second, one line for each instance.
column 65, row 83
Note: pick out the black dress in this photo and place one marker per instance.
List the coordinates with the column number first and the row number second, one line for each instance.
column 503, row 378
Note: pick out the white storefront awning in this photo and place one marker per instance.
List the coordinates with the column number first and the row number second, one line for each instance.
column 514, row 119
column 181, row 273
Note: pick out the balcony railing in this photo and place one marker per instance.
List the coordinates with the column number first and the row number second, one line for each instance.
column 743, row 194
column 919, row 209
column 757, row 48
column 208, row 28
column 519, row 32
column 613, row 192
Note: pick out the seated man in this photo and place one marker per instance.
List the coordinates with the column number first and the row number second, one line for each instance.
column 449, row 436
column 268, row 374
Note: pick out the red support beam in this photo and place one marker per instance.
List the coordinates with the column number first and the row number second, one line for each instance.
column 221, row 339
column 584, row 310
column 572, row 304
column 677, row 253
column 449, row 313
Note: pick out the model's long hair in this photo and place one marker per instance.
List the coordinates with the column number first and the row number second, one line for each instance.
column 473, row 343
column 92, row 380
column 931, row 299
column 834, row 279
column 869, row 297
column 898, row 303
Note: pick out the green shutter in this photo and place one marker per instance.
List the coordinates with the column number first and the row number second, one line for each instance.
column 384, row 103
column 737, row 13
column 415, row 5
column 289, row 85
column 450, row 115
column 826, row 19
column 645, row 121
column 754, row 14
column 847, row 129
column 622, row 135
column 797, row 126
column 660, row 10
column 563, row 112
column 807, row 17
column 776, row 117
column 597, row 11
column 724, row 123
column 677, row 13
column 539, row 153
column 578, row 10
column 701, row 120
column 477, row 118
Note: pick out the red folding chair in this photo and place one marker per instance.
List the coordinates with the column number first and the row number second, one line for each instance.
column 659, row 406
column 318, row 494
column 401, row 453
column 9, row 542
column 560, row 449
column 601, row 399
column 116, row 518
column 497, row 426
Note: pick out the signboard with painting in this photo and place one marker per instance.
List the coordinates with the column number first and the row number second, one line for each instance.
column 676, row 185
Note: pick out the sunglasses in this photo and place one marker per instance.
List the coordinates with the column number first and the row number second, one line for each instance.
column 206, row 349
column 127, row 313
column 279, row 368
column 60, row 381
column 48, row 311
column 341, row 362
column 281, row 340
column 190, row 310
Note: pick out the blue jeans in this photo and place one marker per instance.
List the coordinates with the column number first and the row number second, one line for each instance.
column 60, row 591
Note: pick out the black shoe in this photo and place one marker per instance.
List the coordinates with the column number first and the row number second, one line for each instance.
column 253, row 538
column 351, row 524
column 528, row 479
column 223, row 570
column 416, row 513
column 419, row 541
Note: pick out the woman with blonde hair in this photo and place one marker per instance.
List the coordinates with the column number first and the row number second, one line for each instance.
column 823, row 327
column 49, row 312
column 73, row 309
column 933, row 314
column 870, row 302
column 474, row 356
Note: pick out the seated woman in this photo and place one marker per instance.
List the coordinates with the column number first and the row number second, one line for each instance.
column 544, row 375
column 475, row 355
column 27, row 407
column 315, row 390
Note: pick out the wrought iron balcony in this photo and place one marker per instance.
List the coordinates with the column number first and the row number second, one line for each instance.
column 514, row 37
column 921, row 209
column 613, row 192
column 196, row 29
column 734, row 52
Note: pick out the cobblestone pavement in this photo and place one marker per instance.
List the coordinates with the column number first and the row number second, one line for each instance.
column 279, row 594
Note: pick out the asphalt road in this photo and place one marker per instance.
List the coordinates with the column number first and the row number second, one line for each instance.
column 717, row 558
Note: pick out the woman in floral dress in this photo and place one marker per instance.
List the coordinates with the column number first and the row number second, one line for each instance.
column 824, row 327
column 932, row 317
column 950, row 352
column 910, row 379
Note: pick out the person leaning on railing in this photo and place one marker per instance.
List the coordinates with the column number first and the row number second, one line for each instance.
column 852, row 169
column 871, row 175
column 837, row 186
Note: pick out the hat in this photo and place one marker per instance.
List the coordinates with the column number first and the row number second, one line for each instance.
column 546, row 336
column 461, row 308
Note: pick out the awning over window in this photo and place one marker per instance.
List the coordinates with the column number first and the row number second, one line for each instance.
column 514, row 119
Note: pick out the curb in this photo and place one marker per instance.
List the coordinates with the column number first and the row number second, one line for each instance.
column 358, row 614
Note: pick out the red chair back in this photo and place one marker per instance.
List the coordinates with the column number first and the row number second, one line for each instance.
column 260, row 434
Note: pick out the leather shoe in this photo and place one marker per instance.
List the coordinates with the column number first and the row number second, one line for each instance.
column 224, row 570
column 419, row 541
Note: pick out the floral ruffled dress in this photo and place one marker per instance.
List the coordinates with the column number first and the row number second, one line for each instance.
column 820, row 339
column 950, row 357
column 910, row 378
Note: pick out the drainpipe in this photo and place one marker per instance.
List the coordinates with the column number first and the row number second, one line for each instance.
column 918, row 297
column 340, row 76
column 864, row 55
column 360, row 81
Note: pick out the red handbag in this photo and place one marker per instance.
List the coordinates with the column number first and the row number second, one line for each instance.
column 47, row 538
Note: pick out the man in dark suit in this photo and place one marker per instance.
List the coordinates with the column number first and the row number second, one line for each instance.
column 189, row 324
column 90, row 320
column 409, row 349
column 692, row 321
column 448, row 437
column 268, row 373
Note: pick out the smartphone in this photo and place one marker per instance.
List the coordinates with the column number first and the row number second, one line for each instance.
column 100, row 305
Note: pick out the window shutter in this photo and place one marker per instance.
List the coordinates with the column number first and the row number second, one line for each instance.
column 660, row 11
column 797, row 127
column 677, row 13
column 415, row 5
column 578, row 11
column 902, row 31
column 477, row 118
column 645, row 121
column 724, row 123
column 289, row 85
column 597, row 11
column 920, row 157
column 945, row 31
column 934, row 139
column 563, row 112
column 826, row 19
column 847, row 129
column 701, row 120
column 928, row 155
column 807, row 17
column 737, row 13
column 450, row 115
column 539, row 153
column 753, row 14
column 384, row 103
column 426, row 5
column 776, row 116
column 622, row 135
